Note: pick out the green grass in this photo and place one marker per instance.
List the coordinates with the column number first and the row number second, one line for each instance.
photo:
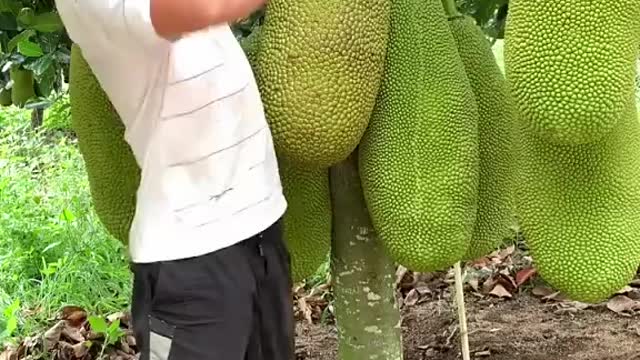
column 53, row 250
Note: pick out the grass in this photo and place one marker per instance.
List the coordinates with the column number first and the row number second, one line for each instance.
column 53, row 250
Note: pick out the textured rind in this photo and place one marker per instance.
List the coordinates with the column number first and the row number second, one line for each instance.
column 579, row 209
column 319, row 66
column 307, row 221
column 23, row 86
column 496, row 126
column 111, row 167
column 419, row 155
column 571, row 65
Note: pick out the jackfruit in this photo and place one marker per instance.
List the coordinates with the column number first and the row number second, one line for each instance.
column 111, row 167
column 308, row 218
column 419, row 155
column 319, row 66
column 496, row 128
column 571, row 65
column 5, row 97
column 23, row 88
column 579, row 209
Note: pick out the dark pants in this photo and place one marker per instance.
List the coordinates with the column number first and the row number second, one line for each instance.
column 232, row 304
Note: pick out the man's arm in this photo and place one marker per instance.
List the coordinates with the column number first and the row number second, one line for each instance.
column 172, row 18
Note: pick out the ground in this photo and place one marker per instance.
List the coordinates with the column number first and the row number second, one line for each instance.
column 511, row 314
column 523, row 328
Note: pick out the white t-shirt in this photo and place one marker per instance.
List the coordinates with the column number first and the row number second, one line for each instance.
column 195, row 122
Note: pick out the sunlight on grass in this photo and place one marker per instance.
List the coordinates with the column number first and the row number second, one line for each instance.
column 53, row 250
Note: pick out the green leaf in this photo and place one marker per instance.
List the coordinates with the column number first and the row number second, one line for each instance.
column 26, row 16
column 29, row 48
column 48, row 22
column 8, row 22
column 98, row 324
column 24, row 35
column 10, row 6
column 41, row 65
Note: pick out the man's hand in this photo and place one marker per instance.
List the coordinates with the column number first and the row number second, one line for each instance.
column 172, row 18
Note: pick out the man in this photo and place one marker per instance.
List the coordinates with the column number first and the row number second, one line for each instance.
column 211, row 272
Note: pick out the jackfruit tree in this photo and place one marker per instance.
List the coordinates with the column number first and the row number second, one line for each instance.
column 34, row 55
column 400, row 142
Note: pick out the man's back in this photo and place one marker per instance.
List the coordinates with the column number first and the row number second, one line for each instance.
column 195, row 123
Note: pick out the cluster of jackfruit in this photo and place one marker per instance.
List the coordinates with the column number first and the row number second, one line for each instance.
column 571, row 67
column 451, row 152
column 421, row 99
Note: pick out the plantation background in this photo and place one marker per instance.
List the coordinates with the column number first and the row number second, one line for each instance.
column 53, row 250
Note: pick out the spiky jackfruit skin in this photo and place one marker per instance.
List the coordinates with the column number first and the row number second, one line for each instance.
column 579, row 209
column 23, row 86
column 496, row 126
column 318, row 67
column 111, row 167
column 419, row 156
column 571, row 64
column 307, row 221
column 308, row 218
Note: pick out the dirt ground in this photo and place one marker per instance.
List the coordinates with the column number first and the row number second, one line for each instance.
column 522, row 328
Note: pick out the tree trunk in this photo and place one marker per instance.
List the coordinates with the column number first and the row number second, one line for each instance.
column 366, row 310
column 37, row 118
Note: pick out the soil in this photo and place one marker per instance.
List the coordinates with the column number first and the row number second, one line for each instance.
column 523, row 327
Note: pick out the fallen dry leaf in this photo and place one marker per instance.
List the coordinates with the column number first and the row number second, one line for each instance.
column 80, row 350
column 8, row 355
column 622, row 305
column 52, row 336
column 75, row 315
column 305, row 309
column 507, row 282
column 542, row 291
column 625, row 290
column 500, row 292
column 412, row 297
column 524, row 275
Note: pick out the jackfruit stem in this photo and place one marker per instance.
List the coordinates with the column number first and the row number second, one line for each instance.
column 367, row 314
column 450, row 8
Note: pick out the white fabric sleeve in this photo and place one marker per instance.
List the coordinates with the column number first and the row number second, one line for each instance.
column 126, row 20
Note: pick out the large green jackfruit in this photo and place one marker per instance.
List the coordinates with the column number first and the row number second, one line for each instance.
column 111, row 167
column 419, row 155
column 318, row 67
column 496, row 126
column 579, row 209
column 23, row 88
column 307, row 221
column 571, row 65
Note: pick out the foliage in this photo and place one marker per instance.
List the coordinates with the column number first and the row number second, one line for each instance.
column 32, row 37
column 58, row 115
column 490, row 15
